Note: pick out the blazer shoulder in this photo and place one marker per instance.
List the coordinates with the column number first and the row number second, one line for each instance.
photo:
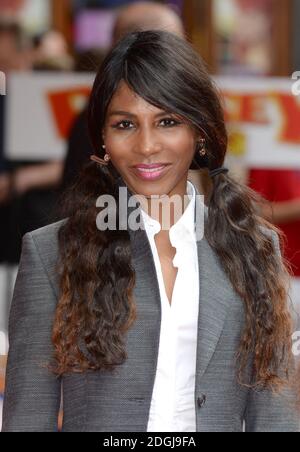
column 46, row 238
column 45, row 242
column 49, row 231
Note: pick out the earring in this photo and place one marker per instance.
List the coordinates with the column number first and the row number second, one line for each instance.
column 96, row 159
column 201, row 147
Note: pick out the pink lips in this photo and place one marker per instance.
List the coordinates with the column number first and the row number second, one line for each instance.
column 150, row 172
column 151, row 166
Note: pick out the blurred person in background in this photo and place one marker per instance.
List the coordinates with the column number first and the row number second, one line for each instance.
column 281, row 187
column 147, row 16
column 137, row 16
column 14, row 56
column 27, row 188
column 252, row 37
column 51, row 52
column 89, row 60
column 15, row 47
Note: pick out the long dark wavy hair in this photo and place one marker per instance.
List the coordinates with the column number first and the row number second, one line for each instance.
column 96, row 306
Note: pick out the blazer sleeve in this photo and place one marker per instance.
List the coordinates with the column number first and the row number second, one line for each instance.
column 32, row 392
column 269, row 412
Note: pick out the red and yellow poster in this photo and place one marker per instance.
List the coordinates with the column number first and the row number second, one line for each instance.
column 263, row 120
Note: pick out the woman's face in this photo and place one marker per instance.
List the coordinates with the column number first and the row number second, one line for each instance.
column 137, row 133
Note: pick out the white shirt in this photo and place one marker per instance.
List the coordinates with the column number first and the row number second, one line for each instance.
column 173, row 399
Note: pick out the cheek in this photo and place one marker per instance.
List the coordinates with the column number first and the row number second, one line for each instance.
column 118, row 147
column 183, row 145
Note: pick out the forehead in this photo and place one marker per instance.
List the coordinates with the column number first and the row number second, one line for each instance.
column 126, row 98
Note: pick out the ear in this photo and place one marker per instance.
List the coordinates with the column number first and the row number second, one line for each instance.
column 198, row 135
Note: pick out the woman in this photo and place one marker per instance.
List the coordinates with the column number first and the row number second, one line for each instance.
column 97, row 312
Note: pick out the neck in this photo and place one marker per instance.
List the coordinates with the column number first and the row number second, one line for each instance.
column 168, row 211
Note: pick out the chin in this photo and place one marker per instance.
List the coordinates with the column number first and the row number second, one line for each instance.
column 151, row 189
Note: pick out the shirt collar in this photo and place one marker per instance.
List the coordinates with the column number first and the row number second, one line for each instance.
column 185, row 226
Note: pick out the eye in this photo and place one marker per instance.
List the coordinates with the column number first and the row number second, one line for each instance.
column 122, row 125
column 170, row 122
column 125, row 124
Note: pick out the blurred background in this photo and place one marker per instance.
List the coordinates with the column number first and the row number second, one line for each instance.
column 49, row 53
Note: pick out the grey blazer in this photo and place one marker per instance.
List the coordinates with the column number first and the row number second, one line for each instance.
column 120, row 402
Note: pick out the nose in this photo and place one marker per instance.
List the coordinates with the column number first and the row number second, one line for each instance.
column 147, row 143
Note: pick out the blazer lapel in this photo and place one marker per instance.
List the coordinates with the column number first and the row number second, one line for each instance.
column 143, row 337
column 214, row 300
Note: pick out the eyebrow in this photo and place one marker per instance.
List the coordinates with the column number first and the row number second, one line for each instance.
column 132, row 115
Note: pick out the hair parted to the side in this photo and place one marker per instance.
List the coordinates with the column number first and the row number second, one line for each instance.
column 96, row 275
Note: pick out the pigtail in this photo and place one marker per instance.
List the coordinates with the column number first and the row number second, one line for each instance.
column 248, row 249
